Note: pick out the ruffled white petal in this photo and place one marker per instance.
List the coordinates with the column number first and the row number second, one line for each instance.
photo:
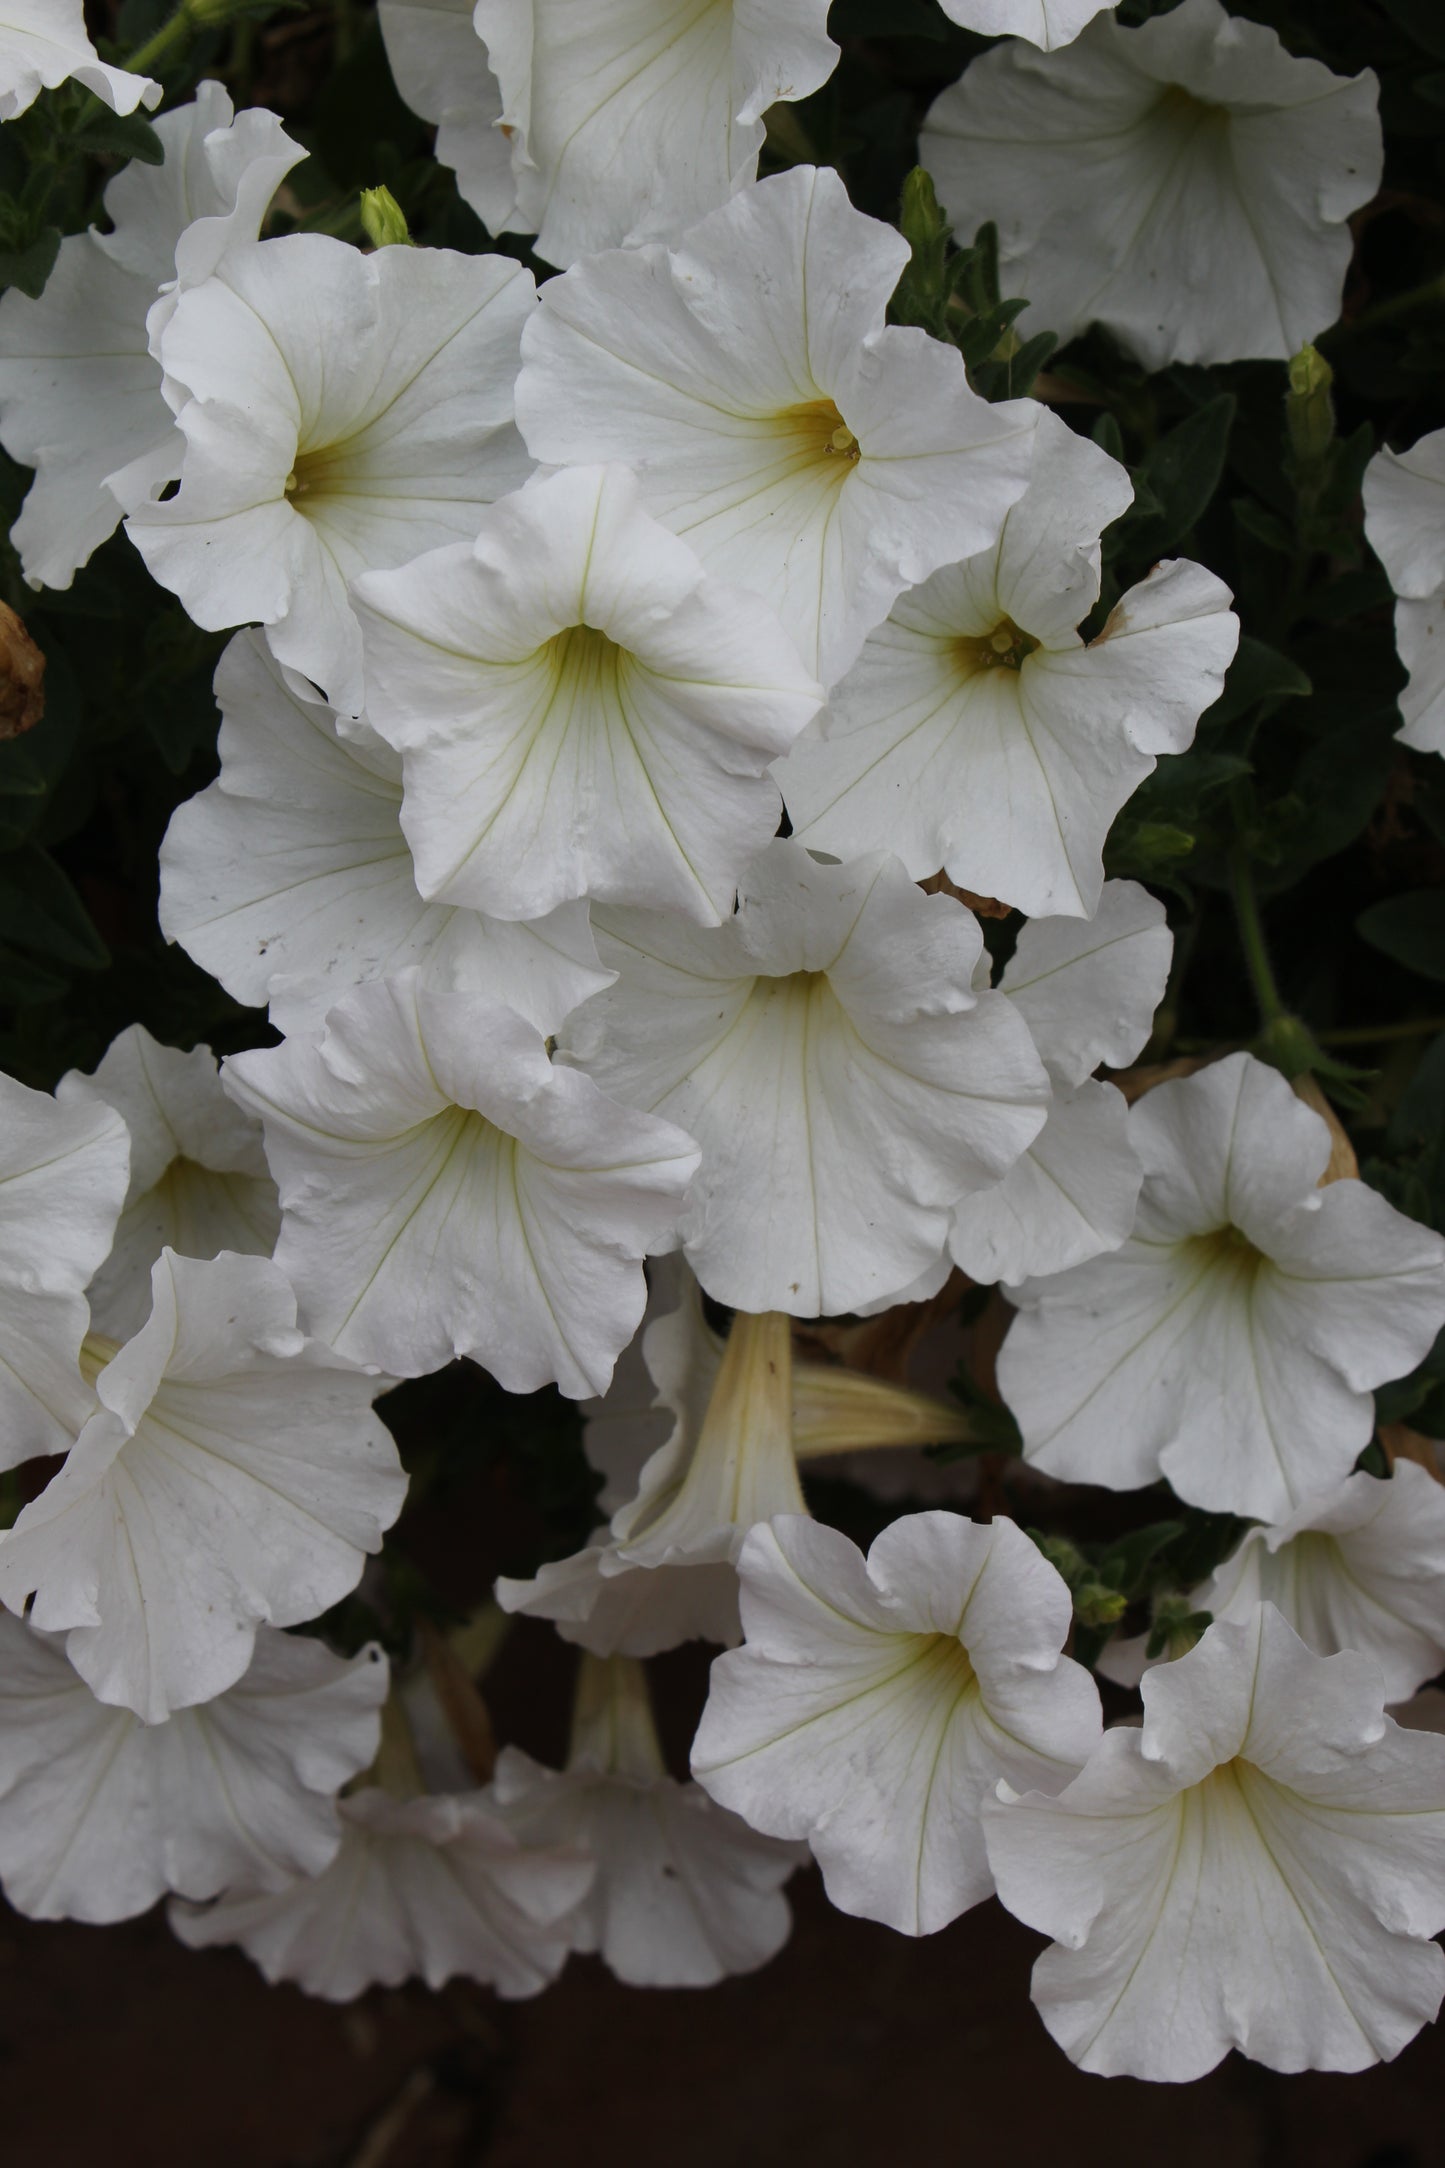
column 1405, row 522
column 440, row 66
column 1046, row 23
column 289, row 878
column 1260, row 1867
column 446, row 1190
column 1072, row 1195
column 44, row 43
column 1186, row 183
column 878, row 1701
column 100, row 1814
column 231, row 1476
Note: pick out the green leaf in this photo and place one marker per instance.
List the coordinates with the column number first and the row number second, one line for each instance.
column 121, row 135
column 40, row 912
column 1182, row 471
column 30, row 267
column 1258, row 673
column 1409, row 928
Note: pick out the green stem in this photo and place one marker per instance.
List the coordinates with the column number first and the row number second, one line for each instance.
column 1251, row 940
column 190, row 18
column 1430, row 294
column 1417, row 1027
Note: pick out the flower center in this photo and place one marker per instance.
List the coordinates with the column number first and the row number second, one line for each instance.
column 818, row 434
column 1005, row 648
column 1229, row 1250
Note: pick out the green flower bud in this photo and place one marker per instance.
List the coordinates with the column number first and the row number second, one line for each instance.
column 383, row 221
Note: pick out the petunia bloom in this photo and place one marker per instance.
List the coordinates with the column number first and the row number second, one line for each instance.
column 100, row 1814
column 1232, row 1343
column 827, row 1049
column 1405, row 522
column 628, row 123
column 44, row 43
column 440, row 67
column 289, row 878
column 1261, row 1867
column 1185, row 183
column 580, row 708
column 978, row 733
column 80, row 385
column 1047, row 23
column 805, row 448
column 446, row 1190
column 221, row 1439
column 877, row 1702
column 341, row 413
column 685, row 1893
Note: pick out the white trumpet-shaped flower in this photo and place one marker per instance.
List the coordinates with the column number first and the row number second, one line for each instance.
column 63, row 1172
column 341, row 413
column 1260, row 1867
column 446, row 1190
column 100, row 1814
column 1232, row 1343
column 629, row 121
column 421, row 1887
column 686, row 1894
column 805, row 448
column 827, row 1049
column 440, row 67
column 1361, row 1569
column 580, row 708
column 1088, row 992
column 80, row 385
column 199, row 1182
column 44, row 43
column 1185, row 183
column 978, row 733
column 878, row 1701
column 1047, row 23
column 289, row 878
column 1405, row 523
column 231, row 1476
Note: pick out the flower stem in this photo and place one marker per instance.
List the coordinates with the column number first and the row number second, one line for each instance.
column 1251, row 940
column 190, row 17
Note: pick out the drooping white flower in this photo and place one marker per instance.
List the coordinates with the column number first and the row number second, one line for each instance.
column 1185, row 183
column 804, row 447
column 1261, row 1867
column 1087, row 992
column 976, row 732
column 231, row 1476
column 341, row 413
column 80, row 384
column 629, row 121
column 1405, row 523
column 826, row 1047
column 428, row 1887
column 580, row 708
column 100, row 1814
column 440, row 67
column 685, row 1893
column 289, row 878
column 879, row 1700
column 1232, row 1343
column 1362, row 1569
column 63, row 1172
column 1048, row 23
column 446, row 1190
column 198, row 1177
column 44, row 43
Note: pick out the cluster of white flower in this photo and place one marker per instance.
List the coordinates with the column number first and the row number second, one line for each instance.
column 553, row 604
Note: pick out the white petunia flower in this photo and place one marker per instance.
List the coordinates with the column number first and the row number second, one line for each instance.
column 1048, row 23
column 580, row 708
column 231, row 1476
column 446, row 1190
column 623, row 1427
column 1405, row 523
column 345, row 413
column 289, row 878
column 1186, row 183
column 80, row 385
column 1087, row 992
column 879, row 1700
column 977, row 733
column 686, row 1894
column 805, row 448
column 100, row 1814
column 44, row 43
column 198, row 1177
column 63, row 1172
column 628, row 121
column 1362, row 1569
column 440, row 67
column 1261, row 1867
column 826, row 1048
column 1232, row 1343
column 428, row 1887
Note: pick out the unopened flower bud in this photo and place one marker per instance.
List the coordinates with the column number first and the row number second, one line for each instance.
column 383, row 221
column 1309, row 408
